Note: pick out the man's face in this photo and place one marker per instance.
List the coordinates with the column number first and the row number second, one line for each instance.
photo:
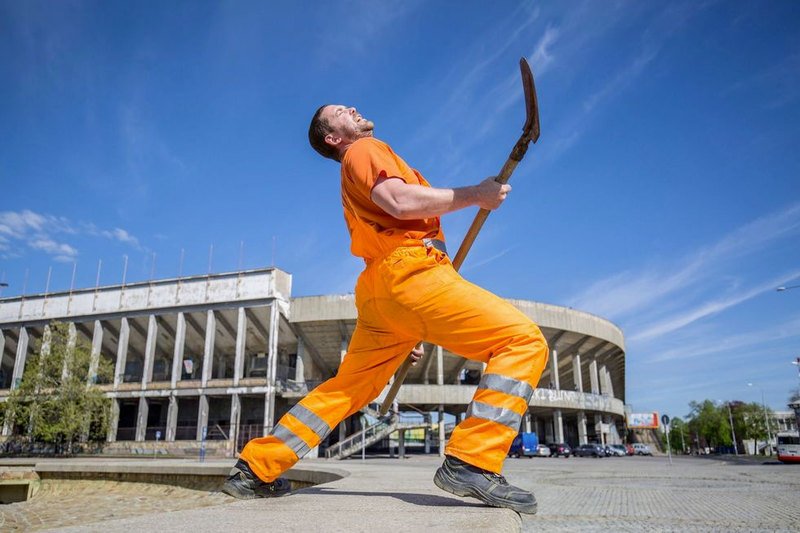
column 347, row 125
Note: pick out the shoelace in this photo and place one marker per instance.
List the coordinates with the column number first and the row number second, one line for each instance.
column 497, row 477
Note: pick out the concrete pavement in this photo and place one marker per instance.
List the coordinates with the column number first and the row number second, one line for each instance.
column 576, row 494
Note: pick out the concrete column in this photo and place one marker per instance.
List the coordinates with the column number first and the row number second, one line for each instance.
column 427, row 418
column 558, row 425
column 208, row 354
column 609, row 383
column 202, row 416
column 299, row 367
column 113, row 420
column 122, row 352
column 598, row 429
column 440, row 382
column 241, row 343
column 272, row 368
column 150, row 351
column 582, row 439
column 47, row 340
column 595, row 381
column 97, row 348
column 172, row 419
column 72, row 341
column 177, row 356
column 602, row 379
column 236, row 411
column 269, row 412
column 401, row 444
column 22, row 355
column 577, row 376
column 554, row 368
column 141, row 419
column 526, row 422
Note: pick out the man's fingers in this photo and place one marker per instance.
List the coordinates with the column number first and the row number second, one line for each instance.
column 416, row 354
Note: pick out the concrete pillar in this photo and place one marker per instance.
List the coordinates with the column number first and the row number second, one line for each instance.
column 113, row 420
column 601, row 374
column 577, row 376
column 97, row 348
column 440, row 382
column 269, row 412
column 401, row 444
column 22, row 355
column 208, row 354
column 526, row 423
column 141, row 419
column 122, row 352
column 558, row 425
column 172, row 419
column 554, row 368
column 202, row 416
column 72, row 341
column 582, row 438
column 241, row 344
column 150, row 351
column 427, row 418
column 299, row 367
column 609, row 383
column 236, row 411
column 595, row 381
column 272, row 367
column 47, row 340
column 177, row 356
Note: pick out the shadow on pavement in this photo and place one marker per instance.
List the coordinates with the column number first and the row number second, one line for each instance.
column 426, row 500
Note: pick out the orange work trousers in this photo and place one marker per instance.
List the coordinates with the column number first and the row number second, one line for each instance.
column 414, row 293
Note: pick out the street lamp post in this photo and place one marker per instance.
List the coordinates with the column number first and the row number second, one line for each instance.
column 733, row 433
column 766, row 419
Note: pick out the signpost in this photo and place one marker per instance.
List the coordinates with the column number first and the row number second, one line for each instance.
column 665, row 421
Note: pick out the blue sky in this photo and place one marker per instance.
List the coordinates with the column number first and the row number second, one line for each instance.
column 663, row 193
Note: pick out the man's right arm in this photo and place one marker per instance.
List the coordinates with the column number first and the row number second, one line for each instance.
column 406, row 201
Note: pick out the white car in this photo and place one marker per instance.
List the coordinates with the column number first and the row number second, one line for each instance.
column 542, row 451
column 641, row 449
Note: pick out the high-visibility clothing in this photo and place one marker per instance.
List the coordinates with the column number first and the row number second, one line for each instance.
column 406, row 293
column 373, row 232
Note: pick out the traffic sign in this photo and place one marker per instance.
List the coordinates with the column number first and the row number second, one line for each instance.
column 665, row 420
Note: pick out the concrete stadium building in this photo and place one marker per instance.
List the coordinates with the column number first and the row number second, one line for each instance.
column 215, row 360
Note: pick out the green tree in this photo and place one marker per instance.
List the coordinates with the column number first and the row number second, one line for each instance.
column 57, row 402
column 752, row 423
column 676, row 427
column 709, row 424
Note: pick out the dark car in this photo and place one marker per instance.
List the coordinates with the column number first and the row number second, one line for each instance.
column 557, row 449
column 590, row 450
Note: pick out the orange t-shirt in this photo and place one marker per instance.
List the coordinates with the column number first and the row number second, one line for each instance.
column 373, row 232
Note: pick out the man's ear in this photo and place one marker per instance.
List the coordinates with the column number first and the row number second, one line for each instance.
column 333, row 140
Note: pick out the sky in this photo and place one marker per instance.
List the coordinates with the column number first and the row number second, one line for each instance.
column 663, row 194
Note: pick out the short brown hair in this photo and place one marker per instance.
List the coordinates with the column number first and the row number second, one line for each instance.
column 317, row 132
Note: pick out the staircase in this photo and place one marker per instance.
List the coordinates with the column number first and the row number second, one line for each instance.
column 366, row 437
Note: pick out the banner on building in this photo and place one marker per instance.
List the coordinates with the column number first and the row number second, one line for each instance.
column 643, row 420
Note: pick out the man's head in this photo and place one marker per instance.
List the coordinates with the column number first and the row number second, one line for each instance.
column 334, row 128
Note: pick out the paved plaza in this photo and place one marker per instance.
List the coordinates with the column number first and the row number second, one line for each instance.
column 576, row 494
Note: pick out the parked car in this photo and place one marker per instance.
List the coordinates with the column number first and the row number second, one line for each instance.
column 558, row 449
column 617, row 450
column 641, row 449
column 590, row 450
column 524, row 444
column 542, row 451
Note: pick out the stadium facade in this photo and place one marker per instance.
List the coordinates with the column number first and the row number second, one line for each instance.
column 215, row 360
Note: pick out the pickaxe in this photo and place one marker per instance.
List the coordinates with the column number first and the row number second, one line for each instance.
column 530, row 133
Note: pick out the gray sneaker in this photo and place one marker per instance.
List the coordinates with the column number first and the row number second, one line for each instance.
column 463, row 479
column 242, row 483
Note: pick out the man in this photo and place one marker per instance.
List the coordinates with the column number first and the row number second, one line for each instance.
column 409, row 291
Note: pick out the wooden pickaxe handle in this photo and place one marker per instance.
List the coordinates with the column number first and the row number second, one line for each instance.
column 530, row 132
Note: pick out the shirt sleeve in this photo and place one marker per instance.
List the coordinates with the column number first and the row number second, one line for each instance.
column 367, row 161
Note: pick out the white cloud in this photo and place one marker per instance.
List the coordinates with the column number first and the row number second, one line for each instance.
column 542, row 56
column 626, row 292
column 26, row 229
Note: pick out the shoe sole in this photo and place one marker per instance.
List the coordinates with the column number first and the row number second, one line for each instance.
column 447, row 484
column 237, row 492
